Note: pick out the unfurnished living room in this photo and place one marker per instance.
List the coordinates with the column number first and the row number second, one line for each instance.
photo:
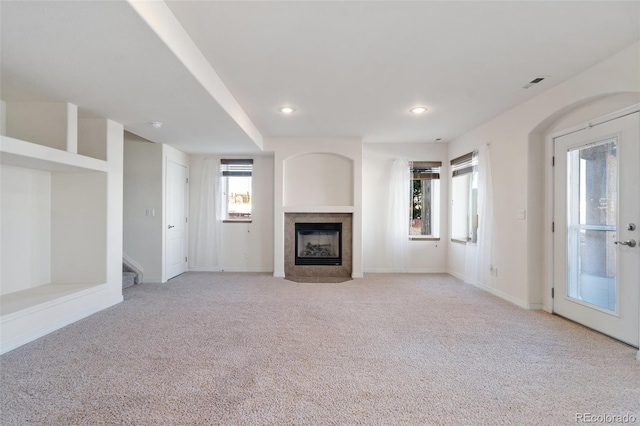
column 319, row 212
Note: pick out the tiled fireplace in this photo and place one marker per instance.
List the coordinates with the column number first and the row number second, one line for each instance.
column 318, row 247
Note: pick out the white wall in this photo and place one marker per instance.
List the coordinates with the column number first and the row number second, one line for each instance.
column 145, row 165
column 248, row 247
column 92, row 134
column 318, row 179
column 114, row 187
column 424, row 256
column 79, row 227
column 51, row 124
column 517, row 148
column 3, row 118
column 26, row 228
column 143, row 191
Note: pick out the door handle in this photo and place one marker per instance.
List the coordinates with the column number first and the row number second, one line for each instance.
column 171, row 226
column 630, row 243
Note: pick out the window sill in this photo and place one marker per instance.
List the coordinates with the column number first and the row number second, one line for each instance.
column 423, row 238
column 236, row 221
column 463, row 242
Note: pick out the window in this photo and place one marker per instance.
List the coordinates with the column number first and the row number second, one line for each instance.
column 236, row 188
column 424, row 209
column 464, row 198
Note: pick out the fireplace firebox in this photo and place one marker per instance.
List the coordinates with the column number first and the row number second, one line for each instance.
column 318, row 244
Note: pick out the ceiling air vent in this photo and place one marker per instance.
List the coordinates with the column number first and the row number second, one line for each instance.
column 532, row 82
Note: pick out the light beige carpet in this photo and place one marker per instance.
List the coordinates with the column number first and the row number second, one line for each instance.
column 250, row 349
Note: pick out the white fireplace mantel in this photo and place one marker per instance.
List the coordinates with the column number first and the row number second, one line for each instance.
column 318, row 209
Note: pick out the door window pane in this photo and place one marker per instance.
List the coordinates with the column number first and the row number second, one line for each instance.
column 592, row 200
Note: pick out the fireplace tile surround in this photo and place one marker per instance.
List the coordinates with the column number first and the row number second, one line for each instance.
column 318, row 273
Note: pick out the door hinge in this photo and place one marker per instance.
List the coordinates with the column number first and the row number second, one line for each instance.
column 187, row 180
column 553, row 227
column 553, row 161
column 553, row 293
column 186, row 220
column 185, row 258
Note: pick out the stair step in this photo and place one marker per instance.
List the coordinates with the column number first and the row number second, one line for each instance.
column 128, row 268
column 128, row 279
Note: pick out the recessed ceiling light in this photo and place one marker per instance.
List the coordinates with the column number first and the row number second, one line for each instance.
column 418, row 110
column 286, row 110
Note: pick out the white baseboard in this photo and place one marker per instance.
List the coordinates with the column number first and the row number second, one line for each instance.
column 500, row 294
column 254, row 270
column 458, row 276
column 408, row 271
column 204, row 269
column 536, row 306
column 56, row 325
column 504, row 296
column 223, row 269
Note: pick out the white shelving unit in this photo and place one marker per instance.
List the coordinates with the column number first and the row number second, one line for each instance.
column 60, row 217
column 19, row 153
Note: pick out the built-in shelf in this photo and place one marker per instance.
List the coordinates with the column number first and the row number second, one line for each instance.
column 60, row 225
column 318, row 209
column 19, row 153
column 40, row 296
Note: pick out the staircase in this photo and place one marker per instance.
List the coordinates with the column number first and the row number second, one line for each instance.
column 129, row 279
column 131, row 274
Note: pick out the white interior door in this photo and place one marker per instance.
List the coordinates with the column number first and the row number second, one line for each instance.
column 596, row 215
column 176, row 223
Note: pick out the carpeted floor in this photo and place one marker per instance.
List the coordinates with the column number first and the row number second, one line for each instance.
column 250, row 349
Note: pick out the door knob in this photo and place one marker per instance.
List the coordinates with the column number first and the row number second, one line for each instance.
column 630, row 243
column 171, row 226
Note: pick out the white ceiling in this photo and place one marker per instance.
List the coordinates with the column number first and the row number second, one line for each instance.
column 351, row 68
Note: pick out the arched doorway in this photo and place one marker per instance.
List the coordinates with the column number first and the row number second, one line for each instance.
column 541, row 187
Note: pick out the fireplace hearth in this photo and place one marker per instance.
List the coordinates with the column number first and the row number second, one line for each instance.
column 318, row 244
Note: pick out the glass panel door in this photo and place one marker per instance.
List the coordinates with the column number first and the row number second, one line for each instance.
column 596, row 259
column 592, row 176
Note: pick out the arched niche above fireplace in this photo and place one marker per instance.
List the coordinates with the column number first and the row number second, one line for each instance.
column 318, row 179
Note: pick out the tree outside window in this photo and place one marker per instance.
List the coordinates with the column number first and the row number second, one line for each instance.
column 424, row 199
